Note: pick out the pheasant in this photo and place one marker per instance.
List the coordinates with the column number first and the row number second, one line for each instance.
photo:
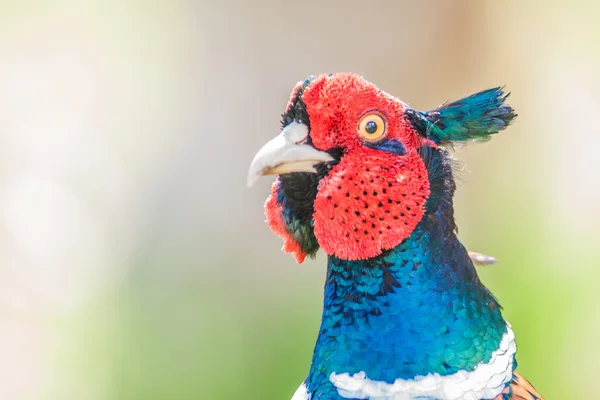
column 369, row 180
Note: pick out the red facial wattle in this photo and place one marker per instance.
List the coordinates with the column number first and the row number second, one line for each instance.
column 374, row 198
column 370, row 202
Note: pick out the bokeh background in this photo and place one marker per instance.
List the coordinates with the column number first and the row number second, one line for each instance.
column 134, row 262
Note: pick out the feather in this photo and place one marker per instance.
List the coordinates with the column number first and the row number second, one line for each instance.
column 481, row 259
column 474, row 118
column 519, row 389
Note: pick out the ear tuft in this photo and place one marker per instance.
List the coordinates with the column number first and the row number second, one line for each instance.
column 475, row 118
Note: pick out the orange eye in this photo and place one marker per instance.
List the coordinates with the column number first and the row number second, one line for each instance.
column 372, row 127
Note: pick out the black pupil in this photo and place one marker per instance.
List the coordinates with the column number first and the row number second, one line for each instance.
column 371, row 127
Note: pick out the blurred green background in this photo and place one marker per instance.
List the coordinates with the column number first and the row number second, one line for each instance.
column 135, row 263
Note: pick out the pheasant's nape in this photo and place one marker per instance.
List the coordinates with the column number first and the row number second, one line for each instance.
column 365, row 178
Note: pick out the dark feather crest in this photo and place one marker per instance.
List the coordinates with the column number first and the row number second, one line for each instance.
column 474, row 118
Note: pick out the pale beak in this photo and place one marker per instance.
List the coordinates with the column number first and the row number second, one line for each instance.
column 286, row 153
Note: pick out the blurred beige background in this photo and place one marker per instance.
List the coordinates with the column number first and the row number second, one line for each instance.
column 134, row 262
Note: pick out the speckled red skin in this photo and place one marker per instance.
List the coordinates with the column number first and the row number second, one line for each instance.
column 372, row 200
